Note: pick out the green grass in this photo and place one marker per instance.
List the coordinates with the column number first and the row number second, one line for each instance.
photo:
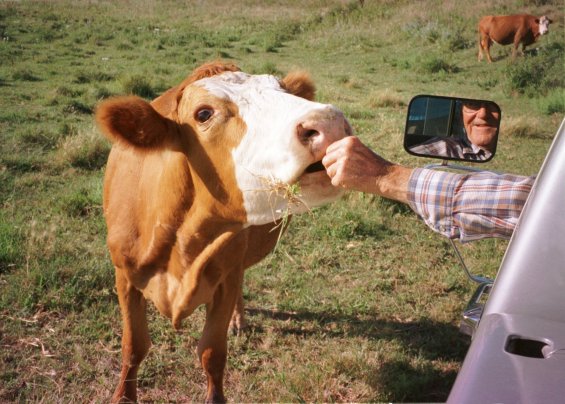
column 360, row 301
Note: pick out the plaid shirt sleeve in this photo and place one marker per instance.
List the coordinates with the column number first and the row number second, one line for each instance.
column 469, row 206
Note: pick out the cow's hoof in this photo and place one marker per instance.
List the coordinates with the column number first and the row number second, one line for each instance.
column 238, row 325
column 216, row 399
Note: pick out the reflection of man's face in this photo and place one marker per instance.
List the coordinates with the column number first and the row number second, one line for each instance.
column 481, row 122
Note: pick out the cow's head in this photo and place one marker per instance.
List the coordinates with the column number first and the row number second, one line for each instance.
column 544, row 25
column 253, row 143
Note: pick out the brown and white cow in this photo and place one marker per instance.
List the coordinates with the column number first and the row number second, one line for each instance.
column 517, row 29
column 189, row 199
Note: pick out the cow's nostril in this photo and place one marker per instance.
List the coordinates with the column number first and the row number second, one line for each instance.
column 310, row 133
column 305, row 134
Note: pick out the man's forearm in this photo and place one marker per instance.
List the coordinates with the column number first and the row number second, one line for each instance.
column 394, row 184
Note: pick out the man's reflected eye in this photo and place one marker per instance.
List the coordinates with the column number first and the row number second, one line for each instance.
column 203, row 114
column 473, row 106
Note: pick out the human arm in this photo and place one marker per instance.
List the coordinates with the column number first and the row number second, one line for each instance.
column 464, row 206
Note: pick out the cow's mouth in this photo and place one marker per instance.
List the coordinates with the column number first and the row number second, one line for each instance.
column 312, row 168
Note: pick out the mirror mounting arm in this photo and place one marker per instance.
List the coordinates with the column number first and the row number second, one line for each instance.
column 474, row 278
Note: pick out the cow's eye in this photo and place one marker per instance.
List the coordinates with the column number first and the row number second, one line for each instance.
column 203, row 114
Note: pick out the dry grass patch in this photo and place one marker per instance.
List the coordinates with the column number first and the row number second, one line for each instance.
column 385, row 99
column 87, row 149
column 523, row 126
column 41, row 241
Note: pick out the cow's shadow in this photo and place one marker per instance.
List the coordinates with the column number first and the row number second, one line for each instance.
column 401, row 379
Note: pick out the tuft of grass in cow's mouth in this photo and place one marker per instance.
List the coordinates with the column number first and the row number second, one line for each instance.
column 317, row 166
column 291, row 193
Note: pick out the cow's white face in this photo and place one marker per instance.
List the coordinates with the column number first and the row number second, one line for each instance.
column 544, row 25
column 285, row 136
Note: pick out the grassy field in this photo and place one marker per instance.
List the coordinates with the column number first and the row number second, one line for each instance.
column 360, row 302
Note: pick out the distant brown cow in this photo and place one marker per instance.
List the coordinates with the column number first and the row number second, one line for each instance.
column 194, row 183
column 510, row 29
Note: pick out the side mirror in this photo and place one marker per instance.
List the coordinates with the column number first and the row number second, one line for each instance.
column 452, row 128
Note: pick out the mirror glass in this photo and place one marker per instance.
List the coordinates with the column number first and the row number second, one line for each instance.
column 452, row 128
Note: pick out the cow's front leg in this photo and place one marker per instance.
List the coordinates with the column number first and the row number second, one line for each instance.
column 514, row 52
column 238, row 322
column 516, row 45
column 212, row 347
column 523, row 50
column 135, row 338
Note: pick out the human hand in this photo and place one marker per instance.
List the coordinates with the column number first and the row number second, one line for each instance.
column 353, row 166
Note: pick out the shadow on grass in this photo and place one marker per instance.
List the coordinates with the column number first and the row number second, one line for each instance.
column 425, row 336
column 402, row 380
column 405, row 383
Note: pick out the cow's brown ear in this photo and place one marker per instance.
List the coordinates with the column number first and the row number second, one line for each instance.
column 133, row 121
column 300, row 84
column 166, row 104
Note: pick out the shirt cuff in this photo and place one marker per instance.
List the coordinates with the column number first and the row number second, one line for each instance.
column 430, row 195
